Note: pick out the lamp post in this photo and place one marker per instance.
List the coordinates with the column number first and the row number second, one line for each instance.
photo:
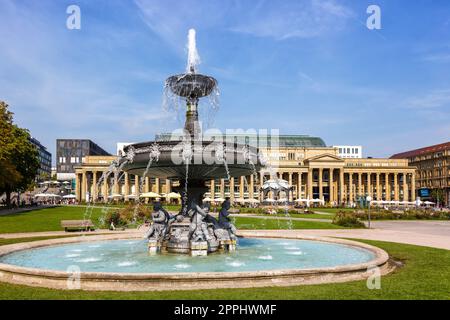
column 369, row 199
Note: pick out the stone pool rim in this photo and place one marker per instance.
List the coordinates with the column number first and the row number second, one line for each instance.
column 112, row 281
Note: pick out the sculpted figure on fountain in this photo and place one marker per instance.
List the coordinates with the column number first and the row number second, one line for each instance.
column 224, row 220
column 160, row 218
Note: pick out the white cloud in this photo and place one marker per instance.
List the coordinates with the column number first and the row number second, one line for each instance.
column 437, row 57
column 279, row 20
column 434, row 99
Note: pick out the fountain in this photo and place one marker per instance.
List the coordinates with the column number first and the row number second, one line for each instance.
column 191, row 159
column 118, row 261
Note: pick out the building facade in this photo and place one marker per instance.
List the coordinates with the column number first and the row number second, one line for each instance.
column 45, row 160
column 349, row 152
column 312, row 169
column 433, row 169
column 71, row 153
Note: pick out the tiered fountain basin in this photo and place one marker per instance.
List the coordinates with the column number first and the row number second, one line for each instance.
column 203, row 164
column 120, row 262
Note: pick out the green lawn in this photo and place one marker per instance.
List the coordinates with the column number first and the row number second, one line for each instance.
column 300, row 215
column 425, row 275
column 270, row 224
column 49, row 220
column 46, row 219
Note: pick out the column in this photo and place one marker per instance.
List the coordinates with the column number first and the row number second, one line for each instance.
column 136, row 185
column 290, row 184
column 252, row 186
column 369, row 184
column 310, row 183
column 413, row 186
column 127, row 184
column 350, row 182
column 299, row 185
column 94, row 186
column 83, row 186
column 331, row 185
column 341, row 185
column 222, row 188
column 241, row 187
column 320, row 183
column 157, row 185
column 105, row 189
column 405, row 187
column 359, row 183
column 388, row 189
column 212, row 189
column 77, row 187
column 396, row 197
column 147, row 184
column 116, row 185
column 168, row 186
column 231, row 189
column 378, row 186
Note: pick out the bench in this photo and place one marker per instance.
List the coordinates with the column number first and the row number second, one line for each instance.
column 77, row 225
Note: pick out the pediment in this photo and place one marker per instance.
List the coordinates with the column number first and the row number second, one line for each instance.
column 326, row 157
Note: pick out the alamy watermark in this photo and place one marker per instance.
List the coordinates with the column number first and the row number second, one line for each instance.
column 374, row 280
column 73, row 277
column 374, row 20
column 73, row 21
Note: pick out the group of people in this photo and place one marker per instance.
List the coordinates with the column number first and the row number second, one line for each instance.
column 203, row 226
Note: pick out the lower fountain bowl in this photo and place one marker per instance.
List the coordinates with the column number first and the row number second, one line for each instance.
column 204, row 163
column 121, row 262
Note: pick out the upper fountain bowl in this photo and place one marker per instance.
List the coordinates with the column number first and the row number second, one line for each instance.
column 191, row 85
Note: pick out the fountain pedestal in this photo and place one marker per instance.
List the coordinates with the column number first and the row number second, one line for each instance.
column 154, row 246
column 199, row 248
column 227, row 245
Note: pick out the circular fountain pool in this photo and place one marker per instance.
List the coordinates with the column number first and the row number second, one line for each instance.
column 130, row 256
column 121, row 262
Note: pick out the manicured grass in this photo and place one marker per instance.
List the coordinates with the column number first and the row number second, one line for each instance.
column 300, row 215
column 47, row 219
column 425, row 275
column 332, row 210
column 270, row 224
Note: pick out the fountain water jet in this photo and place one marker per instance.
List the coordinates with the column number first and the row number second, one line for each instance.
column 190, row 159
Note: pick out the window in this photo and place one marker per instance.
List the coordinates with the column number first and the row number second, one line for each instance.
column 348, row 150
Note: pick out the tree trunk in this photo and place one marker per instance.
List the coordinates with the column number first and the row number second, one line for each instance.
column 8, row 199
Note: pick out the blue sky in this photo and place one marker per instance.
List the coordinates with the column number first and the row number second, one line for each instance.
column 304, row 67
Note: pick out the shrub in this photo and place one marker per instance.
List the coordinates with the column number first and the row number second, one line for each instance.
column 127, row 215
column 347, row 220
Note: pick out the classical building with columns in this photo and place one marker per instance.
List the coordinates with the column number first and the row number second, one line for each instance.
column 314, row 170
column 433, row 169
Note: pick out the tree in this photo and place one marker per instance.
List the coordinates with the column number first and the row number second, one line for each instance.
column 19, row 158
column 437, row 195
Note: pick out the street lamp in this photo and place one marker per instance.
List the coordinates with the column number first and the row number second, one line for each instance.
column 368, row 199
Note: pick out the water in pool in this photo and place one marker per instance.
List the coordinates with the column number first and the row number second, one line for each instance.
column 130, row 256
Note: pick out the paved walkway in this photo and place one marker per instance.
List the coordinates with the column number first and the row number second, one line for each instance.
column 434, row 234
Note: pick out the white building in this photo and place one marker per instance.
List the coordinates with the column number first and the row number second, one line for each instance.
column 349, row 152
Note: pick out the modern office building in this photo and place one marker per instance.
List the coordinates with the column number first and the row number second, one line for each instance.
column 349, row 152
column 433, row 169
column 314, row 170
column 45, row 159
column 71, row 153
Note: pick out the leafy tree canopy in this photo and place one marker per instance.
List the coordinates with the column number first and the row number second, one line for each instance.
column 19, row 158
